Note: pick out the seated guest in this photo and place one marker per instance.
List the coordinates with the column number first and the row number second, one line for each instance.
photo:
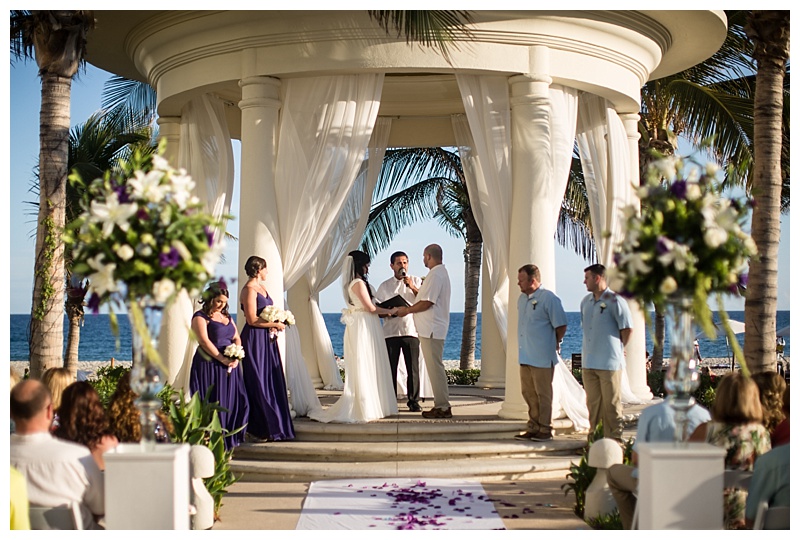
column 84, row 421
column 780, row 435
column 57, row 472
column 125, row 419
column 737, row 427
column 19, row 517
column 656, row 424
column 770, row 391
column 770, row 482
column 56, row 380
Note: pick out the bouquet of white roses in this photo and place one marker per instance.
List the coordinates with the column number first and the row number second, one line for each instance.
column 233, row 351
column 688, row 240
column 142, row 233
column 275, row 314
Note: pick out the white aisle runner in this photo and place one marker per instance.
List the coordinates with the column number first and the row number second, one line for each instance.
column 398, row 503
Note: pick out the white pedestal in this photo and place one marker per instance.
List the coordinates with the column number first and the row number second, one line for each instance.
column 147, row 490
column 680, row 486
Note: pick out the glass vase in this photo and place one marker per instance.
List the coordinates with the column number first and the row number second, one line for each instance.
column 147, row 373
column 683, row 376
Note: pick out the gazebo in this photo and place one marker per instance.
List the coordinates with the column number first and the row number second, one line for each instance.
column 317, row 96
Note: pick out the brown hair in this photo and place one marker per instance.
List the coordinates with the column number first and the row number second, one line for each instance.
column 596, row 269
column 56, row 380
column 737, row 400
column 532, row 270
column 254, row 265
column 123, row 416
column 81, row 416
column 213, row 291
column 771, row 387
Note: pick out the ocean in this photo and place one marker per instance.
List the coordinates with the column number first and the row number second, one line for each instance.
column 98, row 343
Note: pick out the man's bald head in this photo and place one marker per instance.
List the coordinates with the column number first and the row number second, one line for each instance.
column 434, row 251
column 29, row 399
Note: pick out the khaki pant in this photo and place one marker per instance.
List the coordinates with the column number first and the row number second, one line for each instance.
column 604, row 400
column 623, row 487
column 537, row 391
column 432, row 351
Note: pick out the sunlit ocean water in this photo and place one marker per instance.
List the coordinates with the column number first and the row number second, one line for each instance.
column 98, row 343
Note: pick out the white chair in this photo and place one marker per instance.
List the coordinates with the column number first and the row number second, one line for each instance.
column 51, row 518
column 773, row 519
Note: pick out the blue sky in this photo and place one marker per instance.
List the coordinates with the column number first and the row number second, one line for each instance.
column 24, row 92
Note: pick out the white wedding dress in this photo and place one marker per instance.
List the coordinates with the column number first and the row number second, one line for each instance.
column 368, row 393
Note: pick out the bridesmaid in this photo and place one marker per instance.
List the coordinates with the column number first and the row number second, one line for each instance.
column 270, row 419
column 214, row 329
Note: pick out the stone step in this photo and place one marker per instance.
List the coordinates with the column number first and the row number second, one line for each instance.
column 339, row 452
column 480, row 469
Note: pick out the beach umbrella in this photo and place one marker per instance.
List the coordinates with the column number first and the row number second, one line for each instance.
column 783, row 332
column 736, row 326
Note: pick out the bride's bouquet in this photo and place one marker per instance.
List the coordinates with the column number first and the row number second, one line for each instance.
column 275, row 314
column 233, row 351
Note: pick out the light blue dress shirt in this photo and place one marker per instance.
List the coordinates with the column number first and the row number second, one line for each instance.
column 770, row 481
column 657, row 422
column 539, row 316
column 601, row 321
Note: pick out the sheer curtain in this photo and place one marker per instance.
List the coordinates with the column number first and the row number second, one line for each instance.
column 326, row 124
column 484, row 141
column 603, row 147
column 207, row 154
column 346, row 236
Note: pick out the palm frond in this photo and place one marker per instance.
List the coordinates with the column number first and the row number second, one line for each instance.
column 574, row 228
column 439, row 29
column 129, row 97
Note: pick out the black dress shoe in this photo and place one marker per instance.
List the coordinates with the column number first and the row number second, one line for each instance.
column 414, row 407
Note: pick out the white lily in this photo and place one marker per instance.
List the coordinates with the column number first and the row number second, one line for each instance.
column 183, row 251
column 112, row 213
column 679, row 255
column 636, row 263
column 102, row 280
column 148, row 186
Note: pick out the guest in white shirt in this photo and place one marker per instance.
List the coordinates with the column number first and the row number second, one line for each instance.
column 400, row 332
column 57, row 472
column 432, row 319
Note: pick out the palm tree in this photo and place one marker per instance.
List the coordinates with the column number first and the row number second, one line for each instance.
column 57, row 42
column 416, row 184
column 769, row 32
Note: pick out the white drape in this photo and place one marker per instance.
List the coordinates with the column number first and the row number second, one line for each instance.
column 325, row 126
column 326, row 123
column 345, row 237
column 604, row 152
column 206, row 153
column 484, row 141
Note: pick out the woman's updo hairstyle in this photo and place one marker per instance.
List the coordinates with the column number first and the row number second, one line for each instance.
column 218, row 288
column 254, row 265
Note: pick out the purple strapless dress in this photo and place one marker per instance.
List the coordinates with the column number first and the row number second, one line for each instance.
column 228, row 389
column 266, row 386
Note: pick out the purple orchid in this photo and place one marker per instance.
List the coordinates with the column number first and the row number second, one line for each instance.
column 94, row 303
column 209, row 235
column 170, row 259
column 662, row 245
column 678, row 188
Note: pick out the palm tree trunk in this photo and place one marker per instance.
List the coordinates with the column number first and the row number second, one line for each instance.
column 47, row 311
column 769, row 31
column 657, row 360
column 74, row 307
column 472, row 277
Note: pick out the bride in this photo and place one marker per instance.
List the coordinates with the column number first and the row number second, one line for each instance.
column 368, row 393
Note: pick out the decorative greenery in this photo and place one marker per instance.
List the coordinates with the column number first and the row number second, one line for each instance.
column 463, row 376
column 688, row 239
column 704, row 394
column 105, row 381
column 606, row 522
column 196, row 421
column 142, row 233
column 44, row 267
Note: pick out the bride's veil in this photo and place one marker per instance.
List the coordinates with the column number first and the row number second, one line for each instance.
column 348, row 275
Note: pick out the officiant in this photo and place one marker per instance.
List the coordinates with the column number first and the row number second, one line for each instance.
column 400, row 333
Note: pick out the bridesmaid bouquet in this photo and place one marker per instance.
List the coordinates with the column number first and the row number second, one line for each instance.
column 233, row 351
column 275, row 314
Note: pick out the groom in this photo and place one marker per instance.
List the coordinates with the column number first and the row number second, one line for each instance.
column 400, row 332
column 541, row 326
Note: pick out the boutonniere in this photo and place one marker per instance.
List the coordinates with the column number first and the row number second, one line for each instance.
column 534, row 304
column 603, row 307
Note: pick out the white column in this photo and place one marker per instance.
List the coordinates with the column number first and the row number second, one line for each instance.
column 493, row 354
column 259, row 233
column 531, row 169
column 173, row 342
column 637, row 346
column 298, row 298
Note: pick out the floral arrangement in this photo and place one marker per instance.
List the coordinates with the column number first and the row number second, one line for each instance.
column 142, row 233
column 688, row 240
column 276, row 314
column 233, row 351
column 534, row 304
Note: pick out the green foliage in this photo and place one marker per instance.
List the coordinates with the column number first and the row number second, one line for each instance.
column 105, row 381
column 463, row 376
column 578, row 374
column 704, row 394
column 655, row 380
column 44, row 266
column 196, row 421
column 606, row 522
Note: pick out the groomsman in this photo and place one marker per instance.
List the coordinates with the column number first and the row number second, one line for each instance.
column 400, row 332
column 432, row 319
column 541, row 326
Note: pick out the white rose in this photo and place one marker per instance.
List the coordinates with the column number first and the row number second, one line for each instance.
column 147, row 238
column 715, row 237
column 693, row 191
column 163, row 289
column 666, row 168
column 125, row 252
column 669, row 285
column 144, row 250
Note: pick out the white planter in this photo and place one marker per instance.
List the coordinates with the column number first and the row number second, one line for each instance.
column 147, row 490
